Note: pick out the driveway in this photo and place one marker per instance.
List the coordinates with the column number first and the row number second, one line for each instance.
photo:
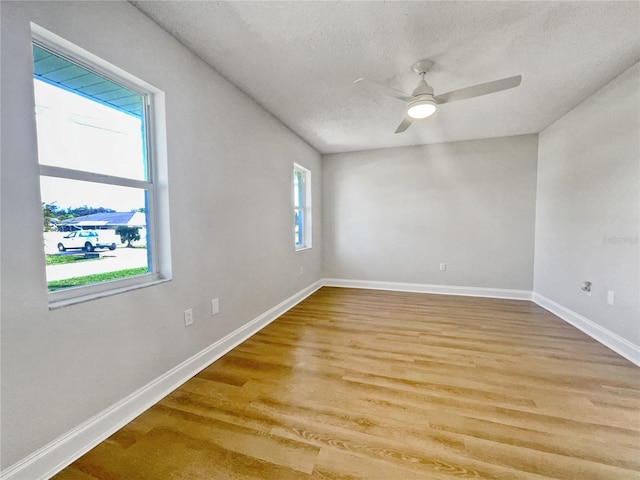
column 110, row 260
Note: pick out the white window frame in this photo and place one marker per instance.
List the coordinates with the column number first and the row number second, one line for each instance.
column 158, row 242
column 305, row 208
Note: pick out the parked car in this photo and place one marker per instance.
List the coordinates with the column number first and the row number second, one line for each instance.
column 87, row 240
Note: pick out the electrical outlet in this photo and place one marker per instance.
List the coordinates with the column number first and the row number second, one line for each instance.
column 301, row 270
column 215, row 306
column 443, row 267
column 188, row 317
column 611, row 296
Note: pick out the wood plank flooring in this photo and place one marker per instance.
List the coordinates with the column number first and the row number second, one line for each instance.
column 363, row 384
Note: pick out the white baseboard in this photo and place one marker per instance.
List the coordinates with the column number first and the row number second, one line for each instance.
column 435, row 289
column 53, row 457
column 604, row 336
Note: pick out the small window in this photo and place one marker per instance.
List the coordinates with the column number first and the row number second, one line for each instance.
column 97, row 183
column 302, row 207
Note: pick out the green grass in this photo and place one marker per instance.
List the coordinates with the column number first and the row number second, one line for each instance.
column 62, row 259
column 95, row 278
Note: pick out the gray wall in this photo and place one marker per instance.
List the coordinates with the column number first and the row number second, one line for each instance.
column 588, row 207
column 230, row 171
column 394, row 215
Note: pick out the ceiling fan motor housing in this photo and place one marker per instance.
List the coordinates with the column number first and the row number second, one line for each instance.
column 424, row 104
column 423, row 88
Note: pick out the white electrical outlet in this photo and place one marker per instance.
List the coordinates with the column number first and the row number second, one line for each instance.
column 301, row 270
column 443, row 267
column 188, row 317
column 611, row 296
column 215, row 306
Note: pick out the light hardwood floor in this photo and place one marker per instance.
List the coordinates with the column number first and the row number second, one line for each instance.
column 362, row 384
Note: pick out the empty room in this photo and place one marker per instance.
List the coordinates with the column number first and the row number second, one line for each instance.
column 320, row 240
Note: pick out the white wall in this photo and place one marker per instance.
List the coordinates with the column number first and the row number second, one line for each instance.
column 588, row 214
column 394, row 215
column 230, row 172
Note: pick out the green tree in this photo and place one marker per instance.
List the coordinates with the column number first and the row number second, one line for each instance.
column 50, row 214
column 128, row 234
column 86, row 210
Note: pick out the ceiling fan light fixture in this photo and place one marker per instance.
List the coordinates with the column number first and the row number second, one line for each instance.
column 421, row 109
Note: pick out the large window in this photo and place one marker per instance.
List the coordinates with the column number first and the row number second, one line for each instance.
column 97, row 182
column 302, row 207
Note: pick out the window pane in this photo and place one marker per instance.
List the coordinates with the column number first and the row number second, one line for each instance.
column 299, row 223
column 297, row 189
column 87, row 229
column 86, row 122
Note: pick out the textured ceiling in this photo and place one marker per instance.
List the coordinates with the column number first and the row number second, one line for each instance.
column 299, row 61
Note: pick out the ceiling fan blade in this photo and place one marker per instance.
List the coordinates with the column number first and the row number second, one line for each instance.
column 384, row 90
column 479, row 90
column 406, row 123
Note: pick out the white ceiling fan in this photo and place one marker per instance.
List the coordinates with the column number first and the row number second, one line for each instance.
column 422, row 103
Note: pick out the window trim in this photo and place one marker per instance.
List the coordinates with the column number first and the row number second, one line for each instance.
column 156, row 184
column 307, row 233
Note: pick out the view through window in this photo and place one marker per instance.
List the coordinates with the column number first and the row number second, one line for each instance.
column 95, row 183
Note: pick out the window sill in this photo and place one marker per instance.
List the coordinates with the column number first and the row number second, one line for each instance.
column 300, row 249
column 55, row 304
